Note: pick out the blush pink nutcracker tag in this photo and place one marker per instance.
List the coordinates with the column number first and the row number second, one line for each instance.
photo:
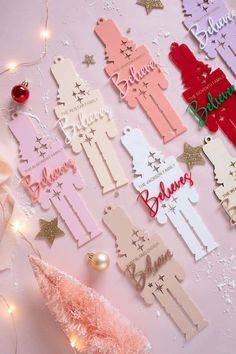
column 138, row 79
column 225, row 175
column 167, row 192
column 51, row 178
column 214, row 27
column 87, row 123
column 151, row 267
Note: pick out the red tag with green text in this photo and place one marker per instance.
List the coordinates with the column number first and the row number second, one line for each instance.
column 211, row 97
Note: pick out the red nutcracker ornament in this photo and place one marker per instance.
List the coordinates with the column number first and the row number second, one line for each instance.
column 20, row 93
column 210, row 95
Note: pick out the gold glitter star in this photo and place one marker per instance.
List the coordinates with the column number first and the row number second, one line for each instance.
column 88, row 60
column 49, row 231
column 150, row 4
column 192, row 156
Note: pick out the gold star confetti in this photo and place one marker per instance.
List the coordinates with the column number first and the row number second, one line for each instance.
column 88, row 60
column 192, row 156
column 150, row 4
column 49, row 231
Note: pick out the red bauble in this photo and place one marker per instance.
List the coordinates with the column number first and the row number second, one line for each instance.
column 20, row 93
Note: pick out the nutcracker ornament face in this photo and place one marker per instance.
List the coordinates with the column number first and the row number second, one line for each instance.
column 225, row 175
column 153, row 270
column 138, row 79
column 51, row 178
column 213, row 25
column 211, row 97
column 167, row 192
column 87, row 124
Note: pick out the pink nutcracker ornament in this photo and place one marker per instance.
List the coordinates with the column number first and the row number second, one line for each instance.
column 87, row 124
column 51, row 178
column 214, row 27
column 151, row 267
column 138, row 79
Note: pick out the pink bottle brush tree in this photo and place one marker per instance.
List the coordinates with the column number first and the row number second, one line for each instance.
column 90, row 322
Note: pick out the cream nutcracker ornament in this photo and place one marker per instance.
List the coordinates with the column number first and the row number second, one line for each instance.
column 225, row 175
column 87, row 124
column 151, row 267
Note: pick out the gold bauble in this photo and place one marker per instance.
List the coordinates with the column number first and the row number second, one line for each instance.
column 99, row 261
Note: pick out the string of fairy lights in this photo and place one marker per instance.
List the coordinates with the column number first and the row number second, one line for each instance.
column 16, row 225
column 45, row 34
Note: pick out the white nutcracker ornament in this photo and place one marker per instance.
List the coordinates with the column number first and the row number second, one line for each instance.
column 225, row 175
column 151, row 267
column 87, row 123
column 167, row 192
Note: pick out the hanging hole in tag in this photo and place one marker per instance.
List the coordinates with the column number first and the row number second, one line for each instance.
column 107, row 209
column 208, row 139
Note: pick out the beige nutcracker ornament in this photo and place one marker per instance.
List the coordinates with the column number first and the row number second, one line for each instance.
column 151, row 267
column 225, row 175
column 87, row 123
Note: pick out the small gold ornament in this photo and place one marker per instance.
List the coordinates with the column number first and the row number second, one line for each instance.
column 99, row 261
column 191, row 156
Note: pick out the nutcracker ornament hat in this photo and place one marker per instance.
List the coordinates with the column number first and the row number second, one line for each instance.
column 90, row 322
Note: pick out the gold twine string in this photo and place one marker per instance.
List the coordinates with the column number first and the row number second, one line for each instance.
column 43, row 54
column 11, row 313
column 34, row 249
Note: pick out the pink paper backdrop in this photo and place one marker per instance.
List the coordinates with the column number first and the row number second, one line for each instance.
column 71, row 24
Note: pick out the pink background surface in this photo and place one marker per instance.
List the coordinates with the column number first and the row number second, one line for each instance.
column 71, row 24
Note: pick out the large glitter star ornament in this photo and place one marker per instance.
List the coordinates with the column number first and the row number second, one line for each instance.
column 88, row 60
column 49, row 231
column 192, row 156
column 150, row 4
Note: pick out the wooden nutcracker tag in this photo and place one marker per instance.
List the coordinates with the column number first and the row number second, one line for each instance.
column 51, row 178
column 138, row 79
column 87, row 123
column 211, row 97
column 153, row 270
column 214, row 27
column 225, row 175
column 167, row 192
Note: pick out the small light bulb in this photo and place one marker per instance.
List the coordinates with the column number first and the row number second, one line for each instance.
column 12, row 66
column 17, row 226
column 45, row 34
column 11, row 309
